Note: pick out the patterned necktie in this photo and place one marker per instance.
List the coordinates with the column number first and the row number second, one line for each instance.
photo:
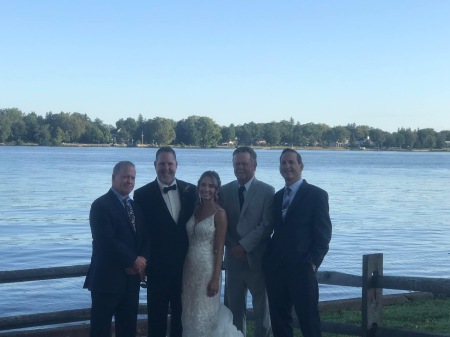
column 286, row 198
column 130, row 213
column 241, row 196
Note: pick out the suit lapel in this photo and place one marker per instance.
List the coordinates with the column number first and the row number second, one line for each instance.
column 183, row 193
column 278, row 200
column 249, row 195
column 298, row 197
column 122, row 210
column 235, row 198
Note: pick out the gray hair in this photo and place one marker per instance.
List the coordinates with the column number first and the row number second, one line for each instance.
column 246, row 149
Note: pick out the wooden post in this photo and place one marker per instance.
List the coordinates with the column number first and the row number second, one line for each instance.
column 371, row 297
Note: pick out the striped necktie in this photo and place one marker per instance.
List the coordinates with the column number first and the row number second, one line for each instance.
column 286, row 199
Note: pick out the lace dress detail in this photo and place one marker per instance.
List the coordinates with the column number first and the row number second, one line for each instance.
column 201, row 314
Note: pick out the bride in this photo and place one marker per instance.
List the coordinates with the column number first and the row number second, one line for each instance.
column 203, row 315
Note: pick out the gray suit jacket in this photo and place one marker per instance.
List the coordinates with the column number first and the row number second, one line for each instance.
column 251, row 227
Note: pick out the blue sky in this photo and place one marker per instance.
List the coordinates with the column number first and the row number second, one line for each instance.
column 382, row 63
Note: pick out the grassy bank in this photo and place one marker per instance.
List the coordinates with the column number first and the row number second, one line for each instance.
column 428, row 314
column 423, row 314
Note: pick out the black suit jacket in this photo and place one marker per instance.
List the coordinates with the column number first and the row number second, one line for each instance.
column 115, row 245
column 304, row 236
column 168, row 240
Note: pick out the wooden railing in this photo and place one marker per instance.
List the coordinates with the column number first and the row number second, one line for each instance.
column 371, row 282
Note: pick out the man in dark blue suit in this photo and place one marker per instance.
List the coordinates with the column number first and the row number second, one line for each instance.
column 119, row 256
column 167, row 204
column 300, row 241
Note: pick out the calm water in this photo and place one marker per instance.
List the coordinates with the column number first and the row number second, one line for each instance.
column 393, row 203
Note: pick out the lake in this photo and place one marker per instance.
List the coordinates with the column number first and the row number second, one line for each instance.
column 395, row 203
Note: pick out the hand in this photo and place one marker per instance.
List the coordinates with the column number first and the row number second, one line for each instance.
column 239, row 253
column 314, row 267
column 140, row 265
column 213, row 287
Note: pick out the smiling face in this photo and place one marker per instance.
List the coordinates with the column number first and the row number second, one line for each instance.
column 244, row 167
column 208, row 189
column 166, row 167
column 123, row 180
column 290, row 168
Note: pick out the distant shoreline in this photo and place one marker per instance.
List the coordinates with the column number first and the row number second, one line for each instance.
column 315, row 148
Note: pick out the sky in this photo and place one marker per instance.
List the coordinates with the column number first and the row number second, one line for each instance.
column 384, row 63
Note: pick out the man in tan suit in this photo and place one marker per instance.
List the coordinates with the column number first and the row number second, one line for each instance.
column 248, row 203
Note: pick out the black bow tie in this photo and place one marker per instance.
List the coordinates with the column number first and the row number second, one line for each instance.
column 168, row 188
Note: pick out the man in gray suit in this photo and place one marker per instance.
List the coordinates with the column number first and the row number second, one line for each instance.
column 248, row 204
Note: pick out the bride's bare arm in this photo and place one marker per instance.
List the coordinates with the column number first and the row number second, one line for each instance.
column 220, row 222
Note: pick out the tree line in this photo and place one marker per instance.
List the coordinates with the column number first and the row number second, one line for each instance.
column 19, row 128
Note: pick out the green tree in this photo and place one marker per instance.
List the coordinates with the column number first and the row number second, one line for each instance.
column 312, row 134
column 298, row 137
column 44, row 136
column 286, row 129
column 140, row 120
column 126, row 129
column 399, row 139
column 67, row 127
column 337, row 134
column 390, row 140
column 377, row 136
column 77, row 124
column 96, row 133
column 441, row 138
column 33, row 124
column 159, row 130
column 12, row 127
column 18, row 131
column 209, row 132
column 198, row 131
column 249, row 133
column 272, row 134
column 409, row 136
column 186, row 132
column 426, row 138
column 228, row 133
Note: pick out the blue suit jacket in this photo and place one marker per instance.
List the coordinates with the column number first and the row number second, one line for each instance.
column 115, row 245
column 304, row 235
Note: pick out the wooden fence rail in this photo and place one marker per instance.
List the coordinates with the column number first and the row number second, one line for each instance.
column 372, row 282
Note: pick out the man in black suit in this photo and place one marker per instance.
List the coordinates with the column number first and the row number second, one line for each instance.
column 302, row 232
column 167, row 203
column 119, row 256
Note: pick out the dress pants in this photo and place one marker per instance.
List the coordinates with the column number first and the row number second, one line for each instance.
column 124, row 308
column 237, row 285
column 298, row 288
column 164, row 291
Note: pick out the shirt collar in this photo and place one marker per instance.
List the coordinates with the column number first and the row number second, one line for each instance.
column 120, row 196
column 295, row 186
column 248, row 183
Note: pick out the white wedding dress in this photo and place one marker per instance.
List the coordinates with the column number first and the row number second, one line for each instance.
column 203, row 316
